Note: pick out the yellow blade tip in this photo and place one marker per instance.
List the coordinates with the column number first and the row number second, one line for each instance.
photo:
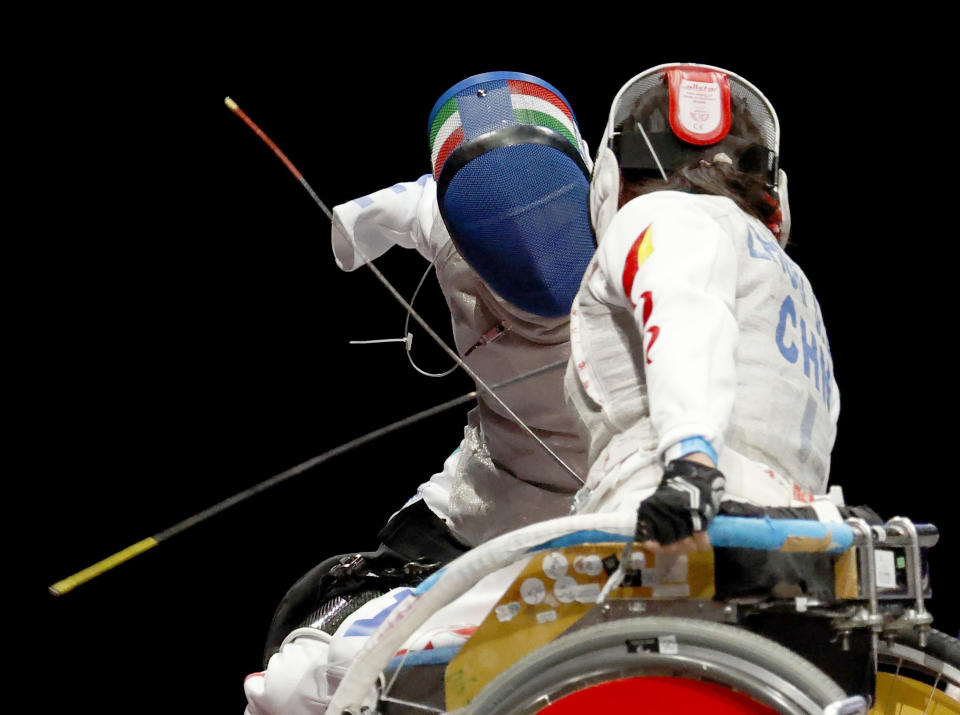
column 58, row 589
column 231, row 105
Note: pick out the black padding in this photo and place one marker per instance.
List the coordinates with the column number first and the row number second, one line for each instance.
column 743, row 573
column 633, row 154
column 815, row 639
column 415, row 544
column 415, row 532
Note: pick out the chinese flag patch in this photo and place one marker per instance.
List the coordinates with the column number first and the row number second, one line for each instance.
column 638, row 253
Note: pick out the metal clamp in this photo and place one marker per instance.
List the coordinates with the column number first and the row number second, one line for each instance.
column 919, row 618
column 869, row 563
column 869, row 617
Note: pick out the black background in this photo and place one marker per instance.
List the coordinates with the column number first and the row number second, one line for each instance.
column 185, row 328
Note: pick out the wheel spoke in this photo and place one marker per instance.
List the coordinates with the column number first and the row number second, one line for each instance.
column 932, row 691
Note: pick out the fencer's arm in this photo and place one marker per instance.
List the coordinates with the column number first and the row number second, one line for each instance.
column 401, row 215
column 675, row 268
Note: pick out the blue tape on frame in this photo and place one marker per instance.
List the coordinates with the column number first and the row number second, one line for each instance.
column 771, row 534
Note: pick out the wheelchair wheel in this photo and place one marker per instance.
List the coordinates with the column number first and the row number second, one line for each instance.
column 911, row 679
column 654, row 664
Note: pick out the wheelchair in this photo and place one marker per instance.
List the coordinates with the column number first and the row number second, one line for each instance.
column 830, row 619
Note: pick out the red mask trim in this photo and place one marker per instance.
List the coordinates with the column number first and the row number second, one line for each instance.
column 775, row 222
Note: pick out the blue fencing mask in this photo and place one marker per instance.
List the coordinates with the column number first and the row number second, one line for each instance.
column 513, row 181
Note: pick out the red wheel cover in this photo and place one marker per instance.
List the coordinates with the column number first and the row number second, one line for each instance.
column 656, row 694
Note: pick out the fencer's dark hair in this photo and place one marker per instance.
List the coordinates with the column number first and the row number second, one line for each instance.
column 747, row 191
column 702, row 172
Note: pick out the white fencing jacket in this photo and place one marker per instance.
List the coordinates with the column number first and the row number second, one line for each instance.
column 692, row 322
column 501, row 479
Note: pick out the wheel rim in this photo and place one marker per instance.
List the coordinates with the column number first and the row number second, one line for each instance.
column 657, row 694
column 704, row 658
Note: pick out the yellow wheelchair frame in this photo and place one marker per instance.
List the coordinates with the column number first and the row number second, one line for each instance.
column 657, row 615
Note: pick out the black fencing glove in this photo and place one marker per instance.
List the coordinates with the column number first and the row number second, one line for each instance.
column 686, row 500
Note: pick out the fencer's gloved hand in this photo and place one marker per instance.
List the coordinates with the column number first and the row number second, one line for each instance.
column 686, row 500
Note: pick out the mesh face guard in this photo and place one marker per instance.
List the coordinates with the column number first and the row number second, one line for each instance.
column 512, row 186
column 676, row 114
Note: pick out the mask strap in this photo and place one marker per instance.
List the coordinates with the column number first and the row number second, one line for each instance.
column 652, row 152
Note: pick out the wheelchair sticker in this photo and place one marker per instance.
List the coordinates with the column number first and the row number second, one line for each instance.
column 555, row 565
column 533, row 591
